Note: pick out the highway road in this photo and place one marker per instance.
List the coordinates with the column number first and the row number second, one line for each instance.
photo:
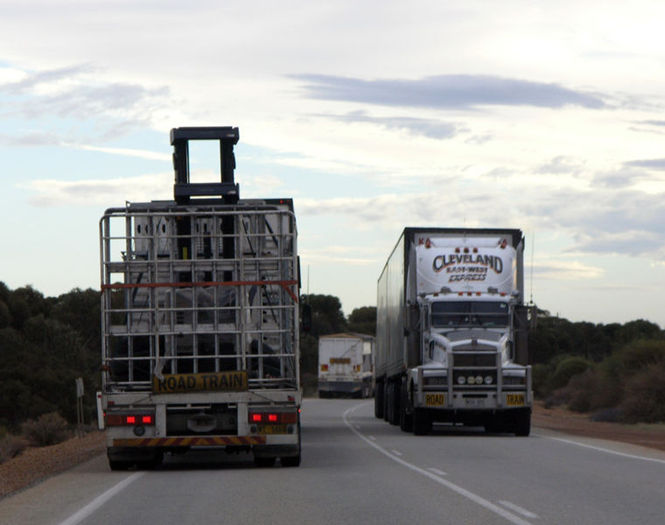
column 357, row 469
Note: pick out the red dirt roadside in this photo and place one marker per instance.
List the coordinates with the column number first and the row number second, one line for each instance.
column 562, row 420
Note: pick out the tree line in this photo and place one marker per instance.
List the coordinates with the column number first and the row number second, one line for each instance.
column 47, row 342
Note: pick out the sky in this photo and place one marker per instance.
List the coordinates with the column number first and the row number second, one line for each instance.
column 372, row 116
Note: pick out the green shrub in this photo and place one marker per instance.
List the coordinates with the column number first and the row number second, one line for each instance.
column 566, row 369
column 644, row 398
column 47, row 429
column 579, row 391
column 640, row 354
column 11, row 446
column 540, row 375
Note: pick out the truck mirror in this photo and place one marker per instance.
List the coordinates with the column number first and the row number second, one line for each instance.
column 306, row 317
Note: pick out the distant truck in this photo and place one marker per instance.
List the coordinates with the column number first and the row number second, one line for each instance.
column 345, row 365
column 200, row 320
column 451, row 340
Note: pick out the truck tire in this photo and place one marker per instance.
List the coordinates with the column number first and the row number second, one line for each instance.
column 396, row 407
column 264, row 462
column 150, row 464
column 293, row 461
column 495, row 425
column 421, row 422
column 405, row 419
column 119, row 465
column 378, row 401
column 522, row 425
column 387, row 400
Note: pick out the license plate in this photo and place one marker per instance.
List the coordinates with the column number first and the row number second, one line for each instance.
column 434, row 400
column 515, row 400
column 271, row 429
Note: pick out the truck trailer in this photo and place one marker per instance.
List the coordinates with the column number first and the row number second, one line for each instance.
column 452, row 327
column 345, row 365
column 200, row 319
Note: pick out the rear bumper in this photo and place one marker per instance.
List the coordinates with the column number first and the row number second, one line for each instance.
column 345, row 387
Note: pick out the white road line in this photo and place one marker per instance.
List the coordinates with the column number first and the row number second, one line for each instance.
column 513, row 518
column 91, row 507
column 518, row 509
column 601, row 449
column 396, row 452
column 437, row 471
column 372, row 438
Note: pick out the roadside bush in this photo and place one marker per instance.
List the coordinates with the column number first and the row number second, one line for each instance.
column 540, row 375
column 566, row 369
column 579, row 391
column 47, row 429
column 644, row 396
column 608, row 415
column 11, row 446
column 640, row 354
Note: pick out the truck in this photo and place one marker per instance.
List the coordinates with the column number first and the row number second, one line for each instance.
column 200, row 319
column 452, row 328
column 345, row 365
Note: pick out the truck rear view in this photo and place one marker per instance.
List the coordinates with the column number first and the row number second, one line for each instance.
column 200, row 320
column 451, row 342
column 345, row 365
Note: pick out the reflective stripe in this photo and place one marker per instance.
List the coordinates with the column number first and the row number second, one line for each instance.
column 190, row 441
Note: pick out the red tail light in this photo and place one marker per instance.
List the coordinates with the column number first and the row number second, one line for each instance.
column 285, row 418
column 118, row 420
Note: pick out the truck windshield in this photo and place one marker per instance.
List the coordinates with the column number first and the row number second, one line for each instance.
column 469, row 313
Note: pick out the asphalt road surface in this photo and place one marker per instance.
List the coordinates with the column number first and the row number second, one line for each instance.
column 357, row 469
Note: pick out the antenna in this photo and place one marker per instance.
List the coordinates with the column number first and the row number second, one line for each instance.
column 533, row 246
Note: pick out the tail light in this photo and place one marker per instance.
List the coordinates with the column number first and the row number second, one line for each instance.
column 273, row 418
column 129, row 419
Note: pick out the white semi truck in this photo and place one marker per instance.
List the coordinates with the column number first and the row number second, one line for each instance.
column 200, row 320
column 345, row 365
column 452, row 327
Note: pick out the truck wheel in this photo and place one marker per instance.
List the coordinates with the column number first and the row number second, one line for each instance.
column 396, row 405
column 494, row 425
column 405, row 419
column 421, row 422
column 293, row 461
column 264, row 462
column 290, row 461
column 150, row 464
column 378, row 401
column 387, row 400
column 119, row 465
column 523, row 423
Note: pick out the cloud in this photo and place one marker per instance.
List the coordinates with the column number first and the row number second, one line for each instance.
column 80, row 92
column 434, row 129
column 560, row 165
column 653, row 122
column 632, row 242
column 621, row 178
column 36, row 78
column 31, row 138
column 653, row 164
column 128, row 152
column 447, row 91
column 55, row 193
column 566, row 270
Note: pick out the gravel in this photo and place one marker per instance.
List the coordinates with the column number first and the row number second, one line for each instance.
column 37, row 463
